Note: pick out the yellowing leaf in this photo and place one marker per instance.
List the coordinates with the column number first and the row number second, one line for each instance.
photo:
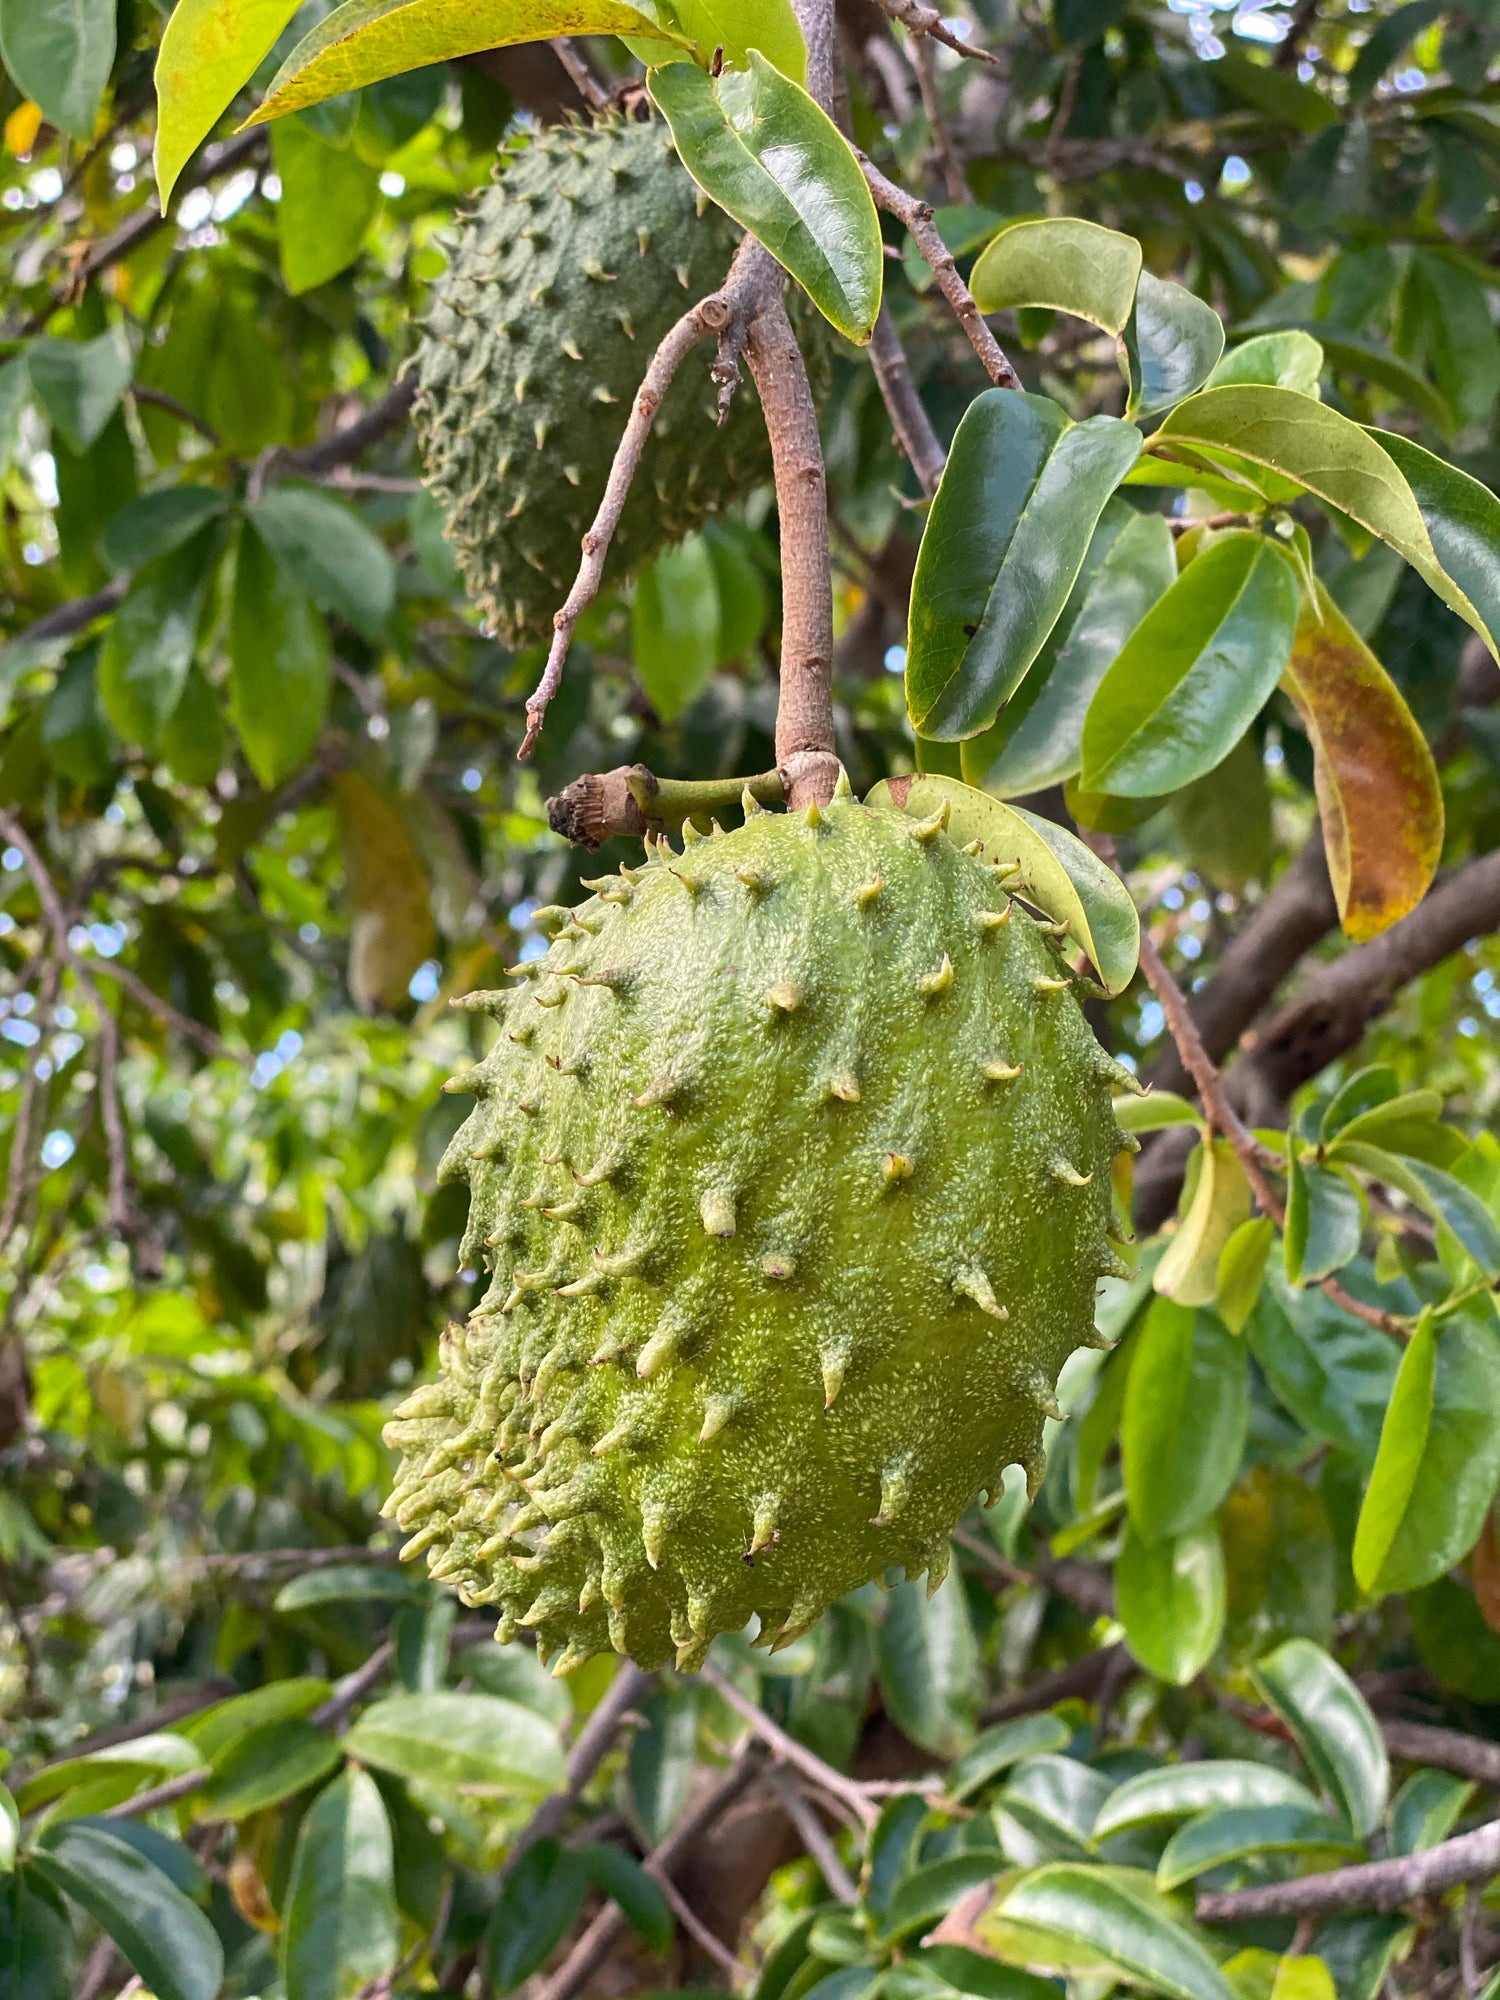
column 1377, row 785
column 209, row 52
column 392, row 929
column 1189, row 1272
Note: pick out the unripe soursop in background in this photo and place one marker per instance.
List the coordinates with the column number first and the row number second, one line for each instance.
column 591, row 244
column 792, row 1163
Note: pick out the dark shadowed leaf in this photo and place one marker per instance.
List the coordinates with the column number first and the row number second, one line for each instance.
column 323, row 546
column 537, row 1907
column 1332, row 1371
column 1172, row 342
column 659, row 1767
column 625, row 1881
column 928, row 1665
column 279, row 667
column 148, row 649
column 161, row 1935
column 157, row 523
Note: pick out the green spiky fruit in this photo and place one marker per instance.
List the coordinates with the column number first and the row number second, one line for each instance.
column 589, row 247
column 792, row 1162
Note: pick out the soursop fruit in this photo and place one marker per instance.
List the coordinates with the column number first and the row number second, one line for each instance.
column 792, row 1161
column 591, row 244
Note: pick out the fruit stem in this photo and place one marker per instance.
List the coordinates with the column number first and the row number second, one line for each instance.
column 632, row 800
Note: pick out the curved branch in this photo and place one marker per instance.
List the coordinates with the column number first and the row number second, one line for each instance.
column 1374, row 1885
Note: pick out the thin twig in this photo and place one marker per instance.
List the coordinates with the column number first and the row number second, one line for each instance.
column 384, row 1983
column 787, row 1750
column 915, row 216
column 160, row 1795
column 702, row 1936
column 909, row 419
column 334, row 1712
column 190, row 1030
column 595, row 1741
column 582, row 78
column 162, row 399
column 814, row 1837
column 956, row 187
column 1371, row 1885
column 920, row 20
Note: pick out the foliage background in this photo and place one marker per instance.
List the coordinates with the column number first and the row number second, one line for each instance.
column 255, row 745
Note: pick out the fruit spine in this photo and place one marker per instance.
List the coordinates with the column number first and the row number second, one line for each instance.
column 588, row 248
column 791, row 1161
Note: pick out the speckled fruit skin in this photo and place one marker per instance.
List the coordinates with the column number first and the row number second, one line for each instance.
column 792, row 1158
column 588, row 248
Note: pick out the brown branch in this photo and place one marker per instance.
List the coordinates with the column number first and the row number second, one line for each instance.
column 909, row 419
column 920, row 20
column 594, row 1742
column 162, row 399
column 951, row 167
column 73, row 617
column 352, row 1690
column 702, row 1936
column 787, row 1750
column 582, row 78
column 604, row 1933
column 1082, row 1679
column 190, row 1030
column 1445, row 1749
column 160, row 1795
column 1372, row 1885
column 811, row 1832
column 916, row 218
column 353, row 439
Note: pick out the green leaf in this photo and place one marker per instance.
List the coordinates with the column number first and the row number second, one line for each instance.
column 1189, row 1272
column 209, row 51
column 1186, row 1411
column 1135, row 1938
column 10, row 1832
column 1276, row 93
column 930, row 1891
column 79, row 383
column 213, row 1730
column 995, row 1750
column 1069, row 265
column 268, row 1765
column 278, row 665
column 161, row 1935
column 79, row 741
column 140, row 1760
column 1156, row 1112
column 38, row 1958
column 1054, row 1801
column 929, row 1665
column 1426, row 1810
column 1314, row 447
column 1169, row 1596
column 1391, row 35
column 1038, row 738
column 675, row 626
column 59, row 54
column 1240, row 1831
column 1061, row 876
column 194, row 741
column 346, row 1583
column 1242, row 1271
column 622, row 1878
column 963, row 1971
column 461, row 1740
column 1435, row 1191
column 736, row 27
column 769, row 155
column 1195, row 673
column 1333, row 1372
column 1007, row 534
column 1181, row 1791
column 1287, row 359
column 365, row 41
column 1359, row 1095
column 149, row 646
column 1333, row 1726
column 1439, row 1459
column 536, row 1909
column 176, row 1861
column 329, row 196
column 659, row 1765
column 1463, row 519
column 154, row 524
column 339, row 1919
column 323, row 547
column 1172, row 343
column 1378, row 792
column 1324, row 1221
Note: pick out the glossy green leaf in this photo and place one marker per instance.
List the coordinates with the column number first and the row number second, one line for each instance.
column 1426, row 1810
column 736, row 26
column 1156, row 1112
column 1439, row 1193
column 625, row 1881
column 59, row 54
column 1189, row 1272
column 1403, row 1122
column 209, row 52
column 1038, row 737
column 963, row 1971
column 1172, row 343
column 79, row 383
column 323, row 547
column 766, row 152
column 213, row 1730
column 659, row 1764
column 1333, row 1726
column 1169, row 1595
column 1072, row 266
column 339, row 1921
column 1463, row 519
column 364, row 41
column 1005, row 539
column 1134, row 1937
column 160, row 1934
column 154, row 524
column 1195, row 673
column 1364, row 1092
column 1324, row 1221
column 1316, row 448
column 345, row 1583
column 1242, row 1271
column 537, row 1907
column 1333, row 1372
column 141, row 1760
column 928, row 1662
column 1048, row 1808
column 995, row 1750
column 1182, row 1791
column 1378, row 792
column 1057, row 873
column 1287, row 359
column 148, row 649
column 675, row 626
column 462, row 1740
column 1240, row 1831
column 329, row 196
column 1439, row 1459
column 271, row 1763
column 929, row 1892
column 1186, row 1411
column 172, row 1856
column 10, row 1832
column 279, row 671
column 1264, row 1975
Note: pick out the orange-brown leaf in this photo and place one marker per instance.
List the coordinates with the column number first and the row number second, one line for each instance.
column 1484, row 1568
column 392, row 929
column 1377, row 785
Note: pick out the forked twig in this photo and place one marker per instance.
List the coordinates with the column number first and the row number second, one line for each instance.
column 920, row 20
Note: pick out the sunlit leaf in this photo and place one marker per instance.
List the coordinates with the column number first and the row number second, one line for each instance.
column 1242, row 1270
column 1209, row 1784
column 1286, row 359
column 1334, row 1728
column 209, row 51
column 328, row 200
column 1186, row 1409
column 1189, row 1273
column 459, row 1740
column 1463, row 519
column 1169, row 1594
column 1072, row 266
column 995, row 1750
column 1378, row 790
column 1128, row 1933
